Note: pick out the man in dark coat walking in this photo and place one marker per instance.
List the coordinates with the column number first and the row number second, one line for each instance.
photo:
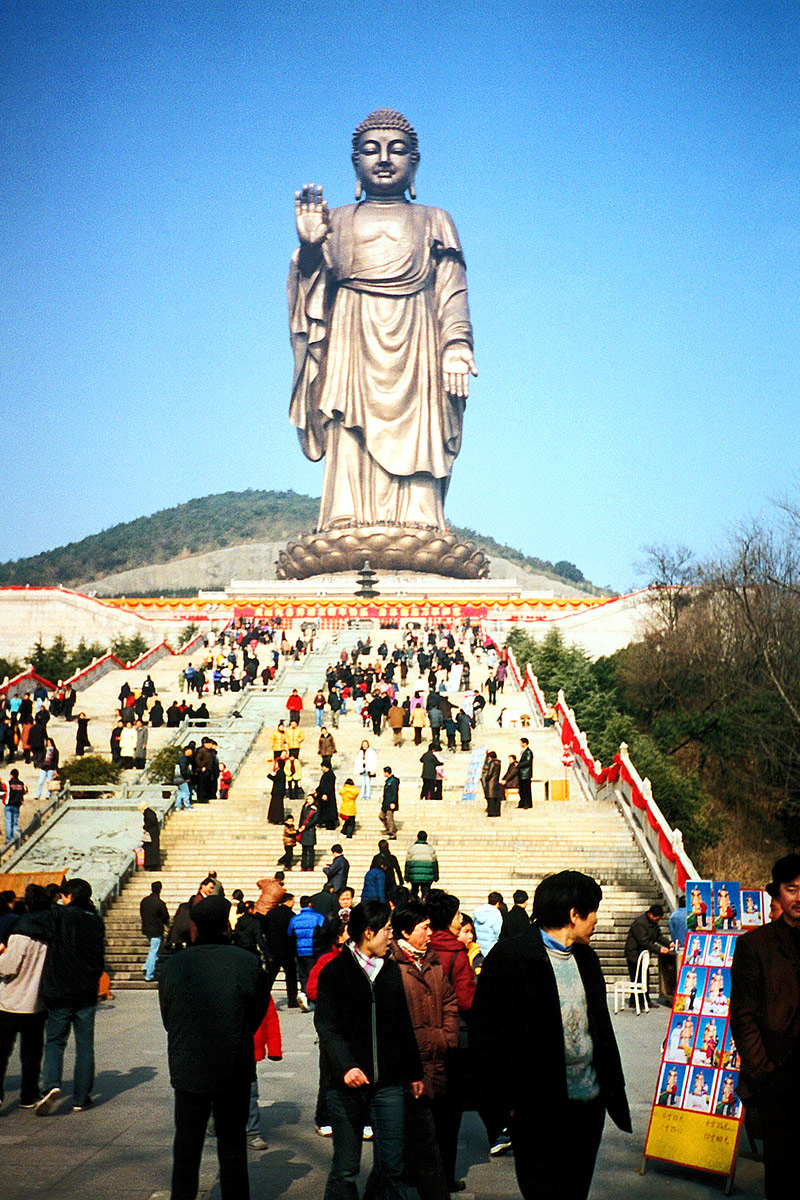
column 543, row 1035
column 337, row 869
column 154, row 917
column 76, row 940
column 213, row 999
column 765, row 1003
column 390, row 802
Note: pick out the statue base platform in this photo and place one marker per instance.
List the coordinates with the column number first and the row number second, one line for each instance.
column 386, row 548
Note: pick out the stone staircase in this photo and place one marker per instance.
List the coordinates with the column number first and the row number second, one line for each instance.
column 476, row 854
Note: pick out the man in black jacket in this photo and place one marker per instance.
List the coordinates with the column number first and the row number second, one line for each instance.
column 644, row 934
column 213, row 999
column 76, row 944
column 765, row 1002
column 280, row 947
column 337, row 870
column 368, row 1054
column 540, row 1025
column 390, row 802
column 154, row 917
column 516, row 919
column 525, row 774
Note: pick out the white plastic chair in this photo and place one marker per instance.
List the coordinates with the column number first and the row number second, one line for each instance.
column 636, row 987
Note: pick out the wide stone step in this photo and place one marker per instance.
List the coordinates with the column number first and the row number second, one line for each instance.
column 476, row 854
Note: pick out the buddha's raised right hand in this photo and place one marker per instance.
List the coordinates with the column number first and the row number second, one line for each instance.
column 311, row 212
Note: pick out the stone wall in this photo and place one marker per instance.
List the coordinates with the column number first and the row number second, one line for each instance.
column 28, row 615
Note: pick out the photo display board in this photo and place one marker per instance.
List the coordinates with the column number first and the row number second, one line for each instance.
column 697, row 1115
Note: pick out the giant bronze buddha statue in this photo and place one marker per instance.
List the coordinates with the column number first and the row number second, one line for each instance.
column 382, row 343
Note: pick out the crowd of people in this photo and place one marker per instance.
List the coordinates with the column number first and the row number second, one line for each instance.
column 422, row 1011
column 370, row 682
column 51, row 977
column 238, row 657
column 417, row 1007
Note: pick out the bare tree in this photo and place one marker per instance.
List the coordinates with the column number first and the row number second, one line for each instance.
column 672, row 573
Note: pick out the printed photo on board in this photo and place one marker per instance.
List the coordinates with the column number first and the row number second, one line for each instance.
column 695, row 949
column 708, row 1046
column 716, row 951
column 726, row 1102
column 699, row 906
column 752, row 908
column 691, row 985
column 727, row 906
column 699, row 1090
column 680, row 1038
column 730, row 1055
column 718, row 993
column 670, row 1085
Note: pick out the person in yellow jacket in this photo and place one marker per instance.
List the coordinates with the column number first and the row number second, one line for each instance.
column 278, row 743
column 294, row 740
column 347, row 807
column 419, row 720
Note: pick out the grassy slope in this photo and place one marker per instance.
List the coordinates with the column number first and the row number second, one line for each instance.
column 206, row 523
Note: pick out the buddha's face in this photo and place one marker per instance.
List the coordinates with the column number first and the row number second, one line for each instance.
column 384, row 162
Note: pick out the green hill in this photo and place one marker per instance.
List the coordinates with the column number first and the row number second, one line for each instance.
column 211, row 523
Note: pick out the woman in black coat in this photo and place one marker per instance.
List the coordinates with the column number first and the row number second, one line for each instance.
column 309, row 819
column 82, row 743
column 431, row 783
column 275, row 812
column 492, row 788
column 152, row 831
column 326, row 800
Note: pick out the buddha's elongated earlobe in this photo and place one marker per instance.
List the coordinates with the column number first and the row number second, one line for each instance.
column 358, row 189
column 411, row 191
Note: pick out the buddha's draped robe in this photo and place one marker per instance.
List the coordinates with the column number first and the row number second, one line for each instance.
column 368, row 327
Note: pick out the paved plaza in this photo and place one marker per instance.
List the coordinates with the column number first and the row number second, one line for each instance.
column 121, row 1148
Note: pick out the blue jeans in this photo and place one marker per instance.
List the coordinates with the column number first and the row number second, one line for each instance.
column 320, row 713
column 365, row 785
column 57, row 1030
column 12, row 821
column 44, row 778
column 253, row 1119
column 183, row 796
column 349, row 1110
column 152, row 959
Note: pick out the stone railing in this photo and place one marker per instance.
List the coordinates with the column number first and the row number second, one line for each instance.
column 25, row 682
column 109, row 662
column 661, row 845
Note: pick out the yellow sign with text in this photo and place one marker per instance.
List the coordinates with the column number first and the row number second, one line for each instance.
column 693, row 1139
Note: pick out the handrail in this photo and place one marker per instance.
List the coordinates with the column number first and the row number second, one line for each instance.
column 101, row 666
column 634, row 795
column 37, row 820
column 660, row 843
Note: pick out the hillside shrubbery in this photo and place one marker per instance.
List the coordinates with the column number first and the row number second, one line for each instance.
column 594, row 690
column 60, row 662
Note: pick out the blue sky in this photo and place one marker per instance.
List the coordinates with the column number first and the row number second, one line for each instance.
column 624, row 178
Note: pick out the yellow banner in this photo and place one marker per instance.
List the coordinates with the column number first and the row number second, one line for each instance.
column 693, row 1139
